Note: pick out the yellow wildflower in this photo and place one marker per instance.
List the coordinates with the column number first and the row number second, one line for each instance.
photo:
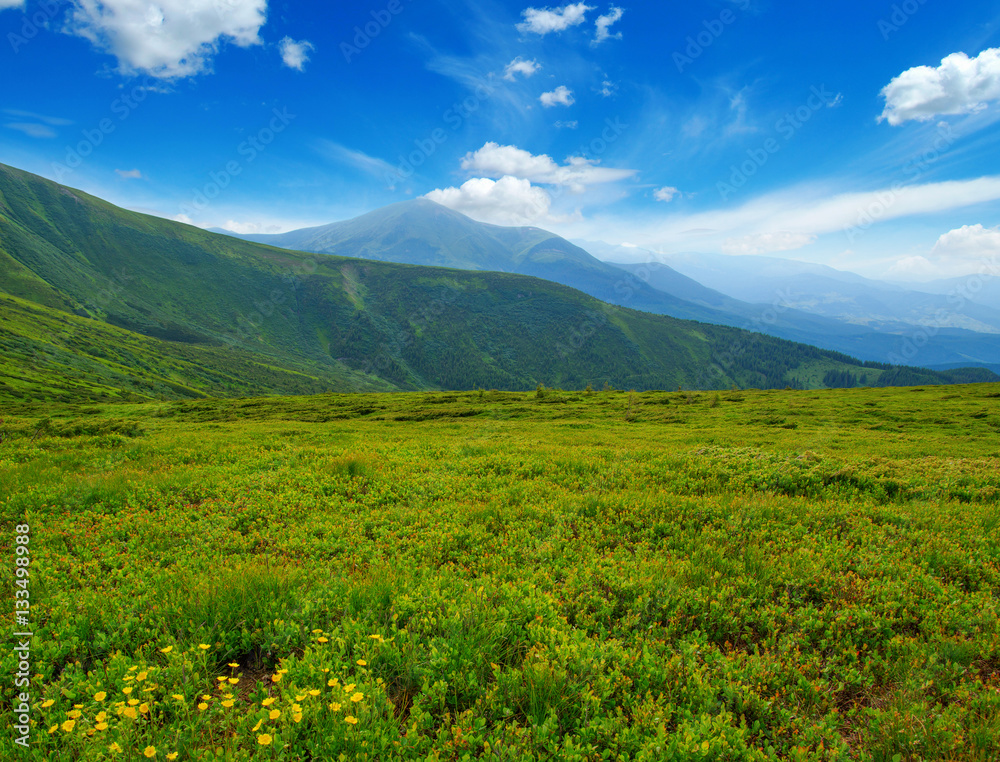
column 130, row 712
column 143, row 708
column 314, row 692
column 47, row 703
column 264, row 739
column 166, row 650
column 115, row 748
column 68, row 725
column 100, row 696
column 361, row 663
column 268, row 701
column 351, row 720
column 357, row 697
column 202, row 706
column 149, row 751
column 274, row 714
column 101, row 726
column 227, row 703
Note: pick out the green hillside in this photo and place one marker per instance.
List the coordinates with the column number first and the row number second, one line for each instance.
column 201, row 313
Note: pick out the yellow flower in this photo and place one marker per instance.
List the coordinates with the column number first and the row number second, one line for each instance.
column 297, row 717
column 361, row 663
column 47, row 703
column 274, row 714
column 276, row 678
column 166, row 650
column 74, row 715
column 317, row 632
column 221, row 678
column 349, row 688
column 141, row 676
column 101, row 716
column 130, row 712
column 282, row 671
column 376, row 637
column 127, row 691
column 172, row 755
column 227, row 703
column 176, row 697
column 149, row 751
column 264, row 739
column 233, row 680
column 256, row 727
column 133, row 702
column 206, row 697
column 334, row 707
column 332, row 682
column 53, row 729
column 322, row 640
column 101, row 726
column 204, row 646
column 132, row 669
column 68, row 725
column 143, row 708
column 351, row 720
column 296, row 708
column 115, row 748
column 314, row 692
column 268, row 701
column 100, row 696
column 233, row 664
column 202, row 706
column 357, row 697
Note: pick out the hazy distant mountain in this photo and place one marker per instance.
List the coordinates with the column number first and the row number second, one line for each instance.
column 97, row 302
column 981, row 289
column 425, row 233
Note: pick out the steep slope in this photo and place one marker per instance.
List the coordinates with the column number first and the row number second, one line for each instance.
column 105, row 299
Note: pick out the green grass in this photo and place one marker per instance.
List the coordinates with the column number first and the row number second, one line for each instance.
column 726, row 576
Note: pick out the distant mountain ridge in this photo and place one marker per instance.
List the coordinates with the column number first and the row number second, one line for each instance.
column 97, row 302
column 425, row 233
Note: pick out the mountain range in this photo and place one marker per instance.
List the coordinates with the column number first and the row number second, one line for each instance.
column 798, row 301
column 103, row 303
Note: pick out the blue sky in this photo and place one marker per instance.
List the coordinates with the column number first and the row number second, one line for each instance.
column 858, row 134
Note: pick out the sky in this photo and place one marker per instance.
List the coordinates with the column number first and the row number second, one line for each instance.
column 861, row 134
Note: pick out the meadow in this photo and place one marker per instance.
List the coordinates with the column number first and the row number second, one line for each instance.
column 564, row 575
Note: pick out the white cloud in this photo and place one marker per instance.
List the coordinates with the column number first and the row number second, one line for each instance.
column 295, row 54
column 522, row 67
column 969, row 242
column 129, row 174
column 494, row 160
column 666, row 193
column 572, row 125
column 250, row 228
column 605, row 22
column 561, row 96
column 960, row 85
column 11, row 4
column 545, row 20
column 507, row 201
column 357, row 159
column 168, row 39
column 608, row 88
column 32, row 130
column 53, row 120
column 764, row 243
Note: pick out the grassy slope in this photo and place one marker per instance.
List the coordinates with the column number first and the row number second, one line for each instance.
column 658, row 576
column 351, row 324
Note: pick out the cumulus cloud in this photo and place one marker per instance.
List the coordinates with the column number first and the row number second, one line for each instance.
column 605, row 22
column 545, row 20
column 295, row 54
column 968, row 242
column 764, row 243
column 507, row 201
column 561, row 96
column 169, row 38
column 666, row 193
column 520, row 66
column 32, row 130
column 129, row 174
column 494, row 160
column 960, row 85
